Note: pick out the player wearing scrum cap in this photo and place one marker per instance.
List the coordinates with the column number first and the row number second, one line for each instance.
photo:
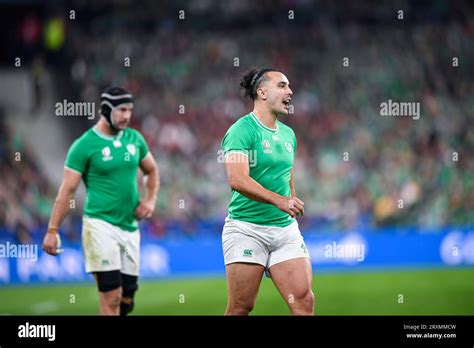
column 261, row 232
column 106, row 157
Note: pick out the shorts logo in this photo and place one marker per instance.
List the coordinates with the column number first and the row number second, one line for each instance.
column 304, row 248
column 131, row 148
column 248, row 252
column 105, row 262
column 289, row 147
column 266, row 146
column 106, row 154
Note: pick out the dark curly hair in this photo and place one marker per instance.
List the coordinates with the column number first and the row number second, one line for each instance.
column 252, row 80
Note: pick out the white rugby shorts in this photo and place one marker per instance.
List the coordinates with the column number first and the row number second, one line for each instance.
column 108, row 248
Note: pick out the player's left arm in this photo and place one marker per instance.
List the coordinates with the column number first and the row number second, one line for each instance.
column 152, row 183
column 292, row 186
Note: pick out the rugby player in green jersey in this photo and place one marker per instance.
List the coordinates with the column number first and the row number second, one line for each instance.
column 106, row 157
column 261, row 233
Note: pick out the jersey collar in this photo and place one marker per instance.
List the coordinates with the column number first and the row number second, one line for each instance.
column 260, row 124
column 107, row 137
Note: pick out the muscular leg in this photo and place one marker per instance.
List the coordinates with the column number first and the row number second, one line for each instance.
column 243, row 282
column 110, row 292
column 293, row 279
column 110, row 302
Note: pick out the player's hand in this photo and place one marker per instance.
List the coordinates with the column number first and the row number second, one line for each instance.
column 50, row 243
column 144, row 210
column 291, row 205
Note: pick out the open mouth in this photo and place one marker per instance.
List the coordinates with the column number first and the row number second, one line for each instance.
column 286, row 103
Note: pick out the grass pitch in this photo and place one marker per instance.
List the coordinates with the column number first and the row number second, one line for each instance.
column 415, row 292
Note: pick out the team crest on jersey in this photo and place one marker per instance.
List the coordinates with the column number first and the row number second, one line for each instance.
column 289, row 147
column 132, row 149
column 106, row 154
column 266, row 146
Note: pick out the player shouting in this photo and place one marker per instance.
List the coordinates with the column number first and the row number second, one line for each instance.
column 261, row 233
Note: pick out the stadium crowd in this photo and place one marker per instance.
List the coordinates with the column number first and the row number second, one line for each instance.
column 354, row 167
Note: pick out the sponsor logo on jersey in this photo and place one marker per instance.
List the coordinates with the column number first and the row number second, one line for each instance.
column 132, row 149
column 106, row 154
column 289, row 147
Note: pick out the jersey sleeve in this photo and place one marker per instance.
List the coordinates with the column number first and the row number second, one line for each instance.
column 142, row 146
column 76, row 158
column 238, row 138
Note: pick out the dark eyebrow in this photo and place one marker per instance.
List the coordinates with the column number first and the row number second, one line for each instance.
column 284, row 82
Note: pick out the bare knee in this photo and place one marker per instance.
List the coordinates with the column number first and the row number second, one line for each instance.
column 112, row 299
column 303, row 303
column 308, row 301
column 239, row 307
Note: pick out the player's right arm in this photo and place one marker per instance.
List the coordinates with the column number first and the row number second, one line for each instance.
column 237, row 144
column 67, row 190
column 238, row 175
column 75, row 165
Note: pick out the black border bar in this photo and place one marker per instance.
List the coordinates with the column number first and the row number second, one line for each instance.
column 260, row 330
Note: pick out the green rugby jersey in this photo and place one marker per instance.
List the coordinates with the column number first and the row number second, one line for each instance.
column 109, row 165
column 271, row 154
